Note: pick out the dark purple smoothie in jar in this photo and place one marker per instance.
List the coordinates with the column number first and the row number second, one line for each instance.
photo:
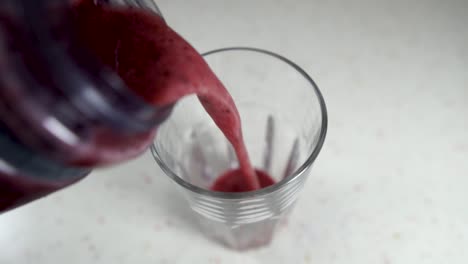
column 62, row 113
column 26, row 175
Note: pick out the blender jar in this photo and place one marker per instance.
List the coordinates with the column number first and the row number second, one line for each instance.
column 62, row 113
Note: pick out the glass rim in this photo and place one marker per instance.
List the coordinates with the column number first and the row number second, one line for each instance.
column 286, row 180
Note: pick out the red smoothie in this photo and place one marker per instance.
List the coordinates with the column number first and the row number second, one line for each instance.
column 232, row 181
column 160, row 66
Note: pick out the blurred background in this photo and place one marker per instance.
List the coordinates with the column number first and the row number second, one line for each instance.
column 389, row 186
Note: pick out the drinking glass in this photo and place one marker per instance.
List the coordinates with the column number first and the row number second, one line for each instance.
column 284, row 124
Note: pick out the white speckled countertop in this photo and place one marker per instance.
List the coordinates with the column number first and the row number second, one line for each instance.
column 390, row 185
